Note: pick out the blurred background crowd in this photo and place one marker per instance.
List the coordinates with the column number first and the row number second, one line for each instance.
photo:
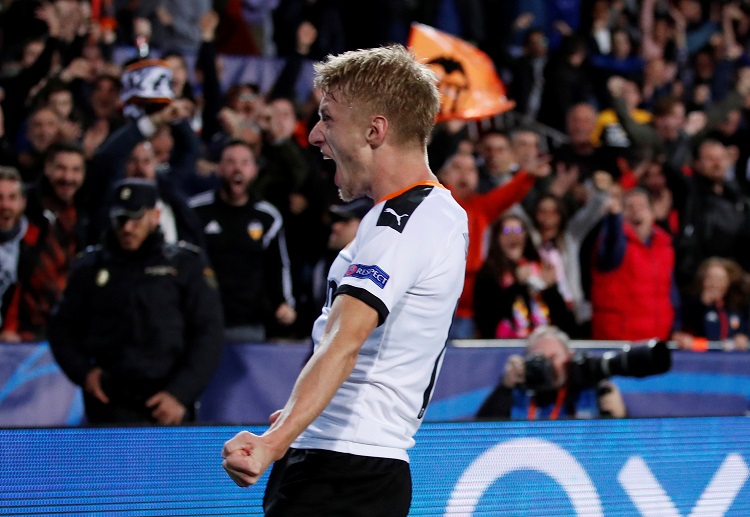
column 611, row 202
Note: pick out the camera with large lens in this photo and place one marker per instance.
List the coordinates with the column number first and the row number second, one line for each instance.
column 586, row 371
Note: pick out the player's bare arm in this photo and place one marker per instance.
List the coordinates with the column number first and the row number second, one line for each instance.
column 247, row 456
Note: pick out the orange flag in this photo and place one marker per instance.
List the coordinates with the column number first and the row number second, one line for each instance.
column 469, row 86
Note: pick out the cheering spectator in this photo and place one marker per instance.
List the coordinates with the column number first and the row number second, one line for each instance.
column 17, row 250
column 609, row 132
column 57, row 95
column 497, row 160
column 714, row 214
column 559, row 238
column 131, row 152
column 663, row 33
column 580, row 150
column 671, row 133
column 246, row 245
column 633, row 294
column 461, row 176
column 516, row 291
column 716, row 308
column 36, row 63
column 622, row 60
column 42, row 131
column 55, row 205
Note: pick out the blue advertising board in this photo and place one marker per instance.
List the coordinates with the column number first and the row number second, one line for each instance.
column 650, row 467
column 254, row 380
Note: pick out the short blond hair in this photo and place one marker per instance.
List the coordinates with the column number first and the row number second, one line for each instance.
column 386, row 81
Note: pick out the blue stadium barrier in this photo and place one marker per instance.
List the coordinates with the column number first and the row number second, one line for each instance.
column 254, row 380
column 667, row 467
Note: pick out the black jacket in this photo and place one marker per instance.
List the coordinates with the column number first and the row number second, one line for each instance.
column 149, row 318
column 247, row 248
column 711, row 224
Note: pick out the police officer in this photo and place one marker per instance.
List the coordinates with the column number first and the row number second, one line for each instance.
column 139, row 326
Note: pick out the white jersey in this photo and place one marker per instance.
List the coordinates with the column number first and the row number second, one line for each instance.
column 407, row 262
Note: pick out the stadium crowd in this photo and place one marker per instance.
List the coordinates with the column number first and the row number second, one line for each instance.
column 612, row 202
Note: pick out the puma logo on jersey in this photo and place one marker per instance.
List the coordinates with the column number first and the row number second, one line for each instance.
column 398, row 217
column 212, row 228
column 398, row 210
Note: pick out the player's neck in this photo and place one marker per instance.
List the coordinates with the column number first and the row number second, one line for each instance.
column 400, row 175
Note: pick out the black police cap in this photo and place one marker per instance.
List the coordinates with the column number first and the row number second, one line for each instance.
column 132, row 197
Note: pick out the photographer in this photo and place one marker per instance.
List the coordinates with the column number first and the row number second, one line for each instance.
column 556, row 396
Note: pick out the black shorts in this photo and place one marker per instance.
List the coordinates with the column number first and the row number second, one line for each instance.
column 312, row 482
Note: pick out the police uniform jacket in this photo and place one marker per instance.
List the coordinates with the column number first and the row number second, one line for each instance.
column 151, row 319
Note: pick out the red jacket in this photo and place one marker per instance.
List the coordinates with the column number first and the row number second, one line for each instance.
column 633, row 301
column 482, row 210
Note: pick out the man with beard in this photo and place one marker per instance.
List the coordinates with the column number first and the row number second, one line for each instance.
column 139, row 325
column 17, row 240
column 55, row 206
column 548, row 345
column 246, row 245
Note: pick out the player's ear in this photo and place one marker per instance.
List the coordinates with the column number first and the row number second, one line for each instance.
column 377, row 130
